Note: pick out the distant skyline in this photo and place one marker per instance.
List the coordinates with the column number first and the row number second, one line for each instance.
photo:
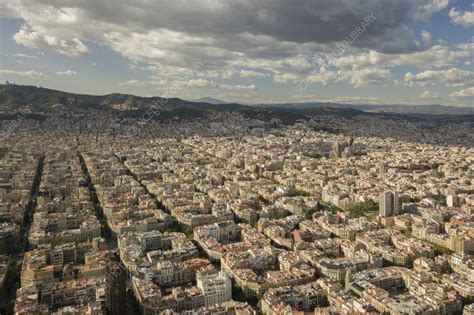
column 260, row 51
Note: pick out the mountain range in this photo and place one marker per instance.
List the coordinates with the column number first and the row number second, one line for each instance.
column 14, row 98
column 381, row 108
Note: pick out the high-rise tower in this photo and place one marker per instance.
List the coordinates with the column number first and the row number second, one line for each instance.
column 388, row 204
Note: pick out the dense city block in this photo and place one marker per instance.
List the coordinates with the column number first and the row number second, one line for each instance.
column 215, row 217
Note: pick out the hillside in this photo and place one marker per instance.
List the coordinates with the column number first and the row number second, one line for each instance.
column 14, row 99
column 379, row 108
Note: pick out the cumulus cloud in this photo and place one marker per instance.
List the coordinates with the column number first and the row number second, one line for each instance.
column 438, row 56
column 138, row 83
column 358, row 78
column 340, row 99
column 460, row 17
column 286, row 77
column 178, row 85
column 369, row 76
column 201, row 83
column 466, row 93
column 430, row 7
column 266, row 26
column 67, row 72
column 239, row 87
column 449, row 77
column 28, row 74
column 31, row 38
column 428, row 95
column 253, row 39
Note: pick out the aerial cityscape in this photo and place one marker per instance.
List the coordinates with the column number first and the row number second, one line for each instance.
column 181, row 158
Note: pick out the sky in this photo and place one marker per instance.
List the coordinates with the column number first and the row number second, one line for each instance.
column 252, row 51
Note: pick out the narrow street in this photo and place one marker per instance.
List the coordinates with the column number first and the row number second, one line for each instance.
column 98, row 211
column 12, row 278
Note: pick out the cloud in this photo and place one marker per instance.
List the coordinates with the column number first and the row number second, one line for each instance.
column 173, row 86
column 369, row 76
column 428, row 95
column 24, row 56
column 252, row 74
column 201, row 83
column 31, row 38
column 67, row 72
column 249, row 40
column 438, row 56
column 286, row 77
column 28, row 74
column 449, row 77
column 340, row 99
column 426, row 37
column 357, row 100
column 214, row 28
column 431, row 7
column 463, row 94
column 358, row 78
column 460, row 17
column 135, row 83
column 239, row 87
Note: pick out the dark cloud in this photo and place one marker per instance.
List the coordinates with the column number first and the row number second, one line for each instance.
column 299, row 21
column 289, row 39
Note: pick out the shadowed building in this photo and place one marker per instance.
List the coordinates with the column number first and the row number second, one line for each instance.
column 115, row 293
